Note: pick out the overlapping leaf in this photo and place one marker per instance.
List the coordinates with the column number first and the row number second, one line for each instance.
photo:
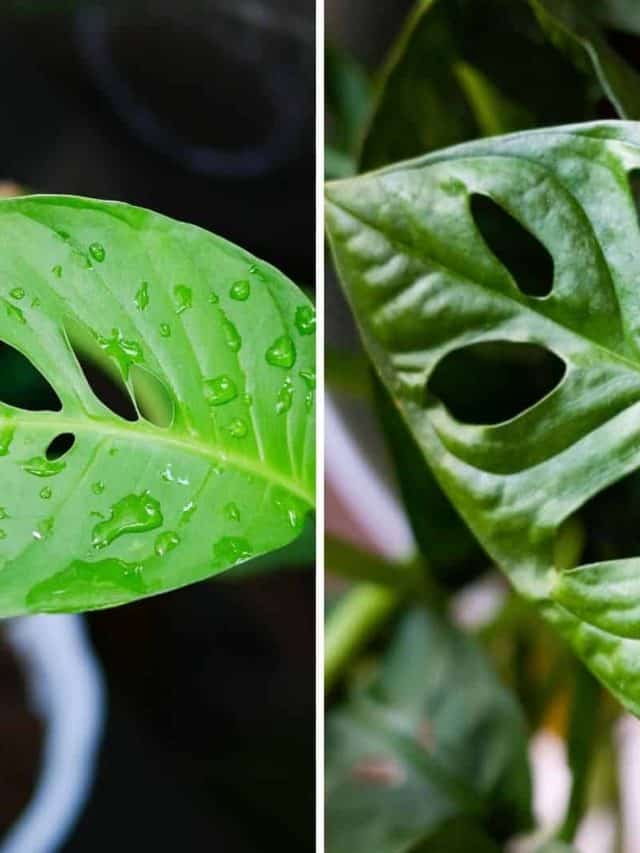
column 135, row 508
column 424, row 284
column 408, row 758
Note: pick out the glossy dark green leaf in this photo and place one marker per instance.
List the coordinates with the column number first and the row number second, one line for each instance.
column 407, row 755
column 133, row 508
column 465, row 68
column 424, row 284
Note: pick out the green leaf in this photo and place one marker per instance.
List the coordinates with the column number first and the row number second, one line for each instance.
column 347, row 100
column 575, row 32
column 623, row 15
column 135, row 508
column 464, row 68
column 425, row 286
column 407, row 756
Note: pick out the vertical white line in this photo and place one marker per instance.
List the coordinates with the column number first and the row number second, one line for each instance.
column 320, row 426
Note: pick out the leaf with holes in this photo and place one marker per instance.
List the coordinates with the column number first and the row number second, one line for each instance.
column 214, row 352
column 407, row 756
column 433, row 300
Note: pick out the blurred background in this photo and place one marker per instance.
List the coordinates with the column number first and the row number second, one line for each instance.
column 202, row 110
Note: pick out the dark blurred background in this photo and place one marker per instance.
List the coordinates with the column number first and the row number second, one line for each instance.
column 203, row 110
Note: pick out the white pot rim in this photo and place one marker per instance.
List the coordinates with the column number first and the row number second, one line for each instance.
column 67, row 690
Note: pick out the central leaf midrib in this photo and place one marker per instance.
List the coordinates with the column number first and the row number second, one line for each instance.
column 53, row 421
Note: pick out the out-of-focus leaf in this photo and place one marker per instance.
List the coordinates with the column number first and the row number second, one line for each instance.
column 407, row 755
column 621, row 15
column 571, row 28
column 464, row 68
column 425, row 286
column 346, row 560
column 445, row 541
column 347, row 99
column 347, row 371
column 337, row 164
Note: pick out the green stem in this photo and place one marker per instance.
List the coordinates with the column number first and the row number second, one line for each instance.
column 352, row 623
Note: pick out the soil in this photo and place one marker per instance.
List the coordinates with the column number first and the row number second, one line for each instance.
column 21, row 735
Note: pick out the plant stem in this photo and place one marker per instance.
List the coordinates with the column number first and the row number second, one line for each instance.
column 352, row 623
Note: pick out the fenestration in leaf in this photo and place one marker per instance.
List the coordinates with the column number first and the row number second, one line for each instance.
column 132, row 508
column 422, row 284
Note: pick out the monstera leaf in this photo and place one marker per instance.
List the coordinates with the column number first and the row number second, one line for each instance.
column 412, row 764
column 215, row 347
column 429, row 293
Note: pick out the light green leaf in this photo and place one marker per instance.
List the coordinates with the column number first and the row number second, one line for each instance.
column 408, row 756
column 134, row 508
column 425, row 287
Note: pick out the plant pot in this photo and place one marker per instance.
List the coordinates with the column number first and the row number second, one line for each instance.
column 65, row 688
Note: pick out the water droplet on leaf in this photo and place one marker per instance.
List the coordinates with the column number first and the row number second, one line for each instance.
column 17, row 293
column 98, row 487
column 6, row 437
column 238, row 428
column 240, row 290
column 97, row 252
column 232, row 512
column 213, row 297
column 282, row 352
column 125, row 353
column 183, row 297
column 57, row 271
column 141, row 298
column 40, row 466
column 230, row 550
column 305, row 319
column 45, row 493
column 165, row 330
column 85, row 583
column 14, row 312
column 131, row 514
column 166, row 542
column 187, row 511
column 309, row 378
column 231, row 336
column 285, row 397
column 220, row 390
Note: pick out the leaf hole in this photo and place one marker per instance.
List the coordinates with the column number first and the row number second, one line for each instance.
column 524, row 256
column 102, row 374
column 491, row 382
column 60, row 445
column 609, row 521
column 22, row 385
column 153, row 400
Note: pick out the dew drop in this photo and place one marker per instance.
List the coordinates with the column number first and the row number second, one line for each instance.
column 285, row 397
column 125, row 353
column 6, row 437
column 166, row 542
column 141, row 298
column 40, row 466
column 187, row 511
column 17, row 293
column 14, row 312
column 240, row 290
column 255, row 270
column 213, row 297
column 35, row 302
column 238, row 428
column 46, row 493
column 167, row 474
column 3, row 534
column 97, row 252
column 57, row 271
column 305, row 319
column 83, row 584
column 98, row 487
column 183, row 297
column 232, row 512
column 3, row 512
column 220, row 390
column 230, row 550
column 247, row 399
column 309, row 400
column 282, row 352
column 308, row 376
column 231, row 336
column 43, row 530
column 165, row 330
column 131, row 514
